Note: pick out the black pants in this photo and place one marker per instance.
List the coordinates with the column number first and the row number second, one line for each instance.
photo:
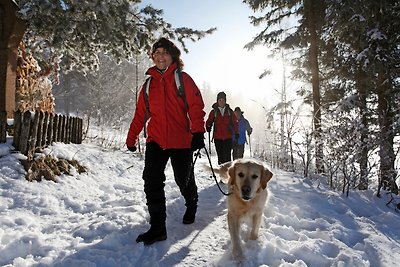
column 223, row 148
column 155, row 163
column 238, row 151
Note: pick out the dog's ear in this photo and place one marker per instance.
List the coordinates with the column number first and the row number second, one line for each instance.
column 232, row 176
column 266, row 176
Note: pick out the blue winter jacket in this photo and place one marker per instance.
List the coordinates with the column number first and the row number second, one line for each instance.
column 244, row 126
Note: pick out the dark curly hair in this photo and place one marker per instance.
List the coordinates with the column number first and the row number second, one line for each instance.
column 171, row 48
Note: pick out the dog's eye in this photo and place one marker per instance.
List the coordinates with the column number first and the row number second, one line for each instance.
column 241, row 174
column 254, row 176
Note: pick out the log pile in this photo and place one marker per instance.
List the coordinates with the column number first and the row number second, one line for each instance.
column 33, row 88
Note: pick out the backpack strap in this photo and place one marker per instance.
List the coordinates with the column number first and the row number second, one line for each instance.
column 214, row 124
column 179, row 85
column 146, row 101
column 231, row 125
column 181, row 89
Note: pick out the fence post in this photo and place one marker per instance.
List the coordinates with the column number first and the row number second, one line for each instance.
column 33, row 135
column 68, row 130
column 73, row 130
column 76, row 130
column 56, row 122
column 39, row 129
column 61, row 127
column 45, row 128
column 50, row 129
column 25, row 129
column 80, row 127
column 3, row 126
column 17, row 128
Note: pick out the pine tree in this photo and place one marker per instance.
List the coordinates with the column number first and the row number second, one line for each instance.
column 306, row 35
column 348, row 82
column 77, row 31
column 356, row 59
column 363, row 36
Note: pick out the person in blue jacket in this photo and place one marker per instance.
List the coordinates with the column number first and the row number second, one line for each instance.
column 239, row 143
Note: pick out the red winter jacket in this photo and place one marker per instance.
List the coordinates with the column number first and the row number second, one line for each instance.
column 224, row 126
column 170, row 123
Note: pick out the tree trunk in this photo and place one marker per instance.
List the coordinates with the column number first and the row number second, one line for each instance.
column 11, row 32
column 363, row 149
column 386, row 116
column 309, row 5
column 386, row 136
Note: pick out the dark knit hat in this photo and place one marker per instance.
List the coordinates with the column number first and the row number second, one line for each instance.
column 239, row 110
column 221, row 95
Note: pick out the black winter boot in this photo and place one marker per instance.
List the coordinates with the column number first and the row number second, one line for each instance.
column 190, row 214
column 154, row 234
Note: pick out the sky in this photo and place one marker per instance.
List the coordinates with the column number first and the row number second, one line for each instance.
column 93, row 218
column 219, row 61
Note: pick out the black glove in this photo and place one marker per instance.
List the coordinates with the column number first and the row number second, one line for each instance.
column 236, row 137
column 131, row 148
column 250, row 131
column 197, row 141
column 208, row 128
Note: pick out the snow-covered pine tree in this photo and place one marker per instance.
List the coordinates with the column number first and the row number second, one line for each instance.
column 77, row 31
column 362, row 49
column 296, row 24
column 358, row 65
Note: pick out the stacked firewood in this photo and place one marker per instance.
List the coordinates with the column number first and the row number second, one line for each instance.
column 34, row 88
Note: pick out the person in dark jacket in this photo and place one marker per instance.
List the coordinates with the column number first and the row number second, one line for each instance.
column 225, row 125
column 239, row 143
column 175, row 129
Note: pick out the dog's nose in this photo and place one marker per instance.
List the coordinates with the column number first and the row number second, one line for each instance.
column 246, row 190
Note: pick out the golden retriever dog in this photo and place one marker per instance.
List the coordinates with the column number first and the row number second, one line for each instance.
column 247, row 182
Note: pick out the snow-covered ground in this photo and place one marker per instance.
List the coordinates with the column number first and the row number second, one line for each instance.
column 93, row 219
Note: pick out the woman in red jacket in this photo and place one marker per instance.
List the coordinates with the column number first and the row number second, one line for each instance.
column 175, row 129
column 225, row 125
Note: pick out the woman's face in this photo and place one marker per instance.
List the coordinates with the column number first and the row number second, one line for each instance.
column 161, row 58
column 221, row 102
column 238, row 114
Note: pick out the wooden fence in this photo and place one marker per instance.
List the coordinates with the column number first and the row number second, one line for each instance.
column 34, row 131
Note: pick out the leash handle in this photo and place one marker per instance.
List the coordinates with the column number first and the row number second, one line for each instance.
column 213, row 173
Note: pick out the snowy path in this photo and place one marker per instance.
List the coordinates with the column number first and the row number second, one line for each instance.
column 93, row 219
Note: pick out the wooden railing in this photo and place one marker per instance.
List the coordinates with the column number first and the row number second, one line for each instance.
column 34, row 131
